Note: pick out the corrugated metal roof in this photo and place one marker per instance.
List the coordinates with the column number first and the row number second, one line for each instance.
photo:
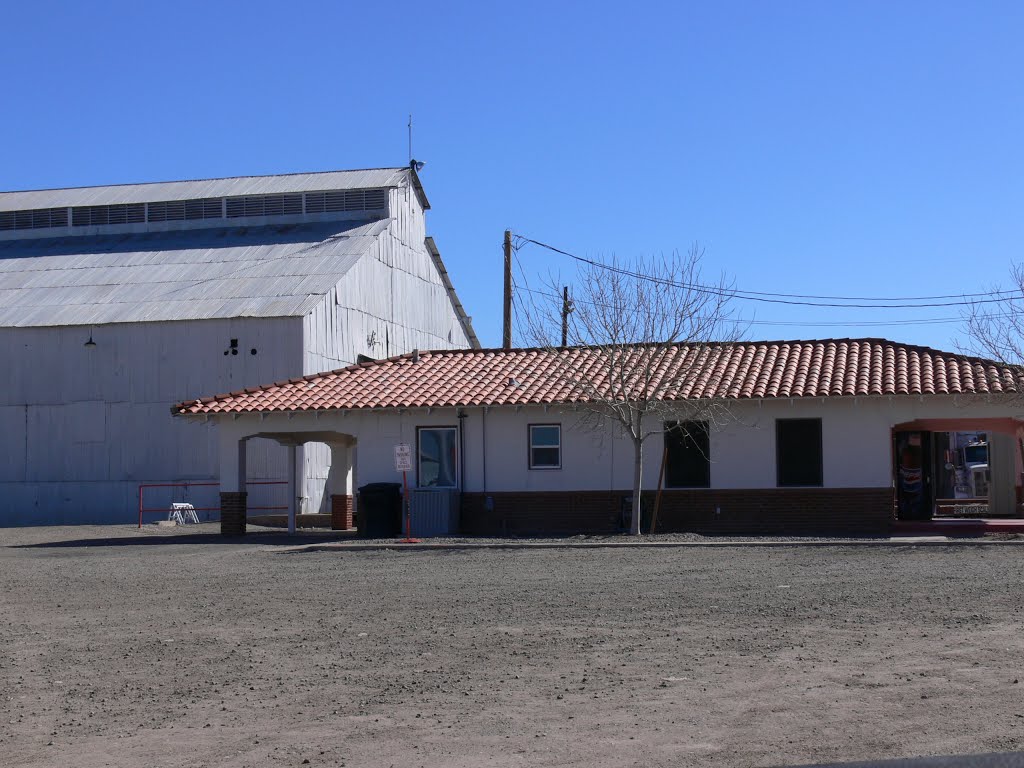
column 373, row 178
column 273, row 271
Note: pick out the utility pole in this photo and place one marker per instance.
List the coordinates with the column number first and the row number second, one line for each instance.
column 506, row 331
column 566, row 309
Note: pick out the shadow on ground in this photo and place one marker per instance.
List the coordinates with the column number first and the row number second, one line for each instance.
column 269, row 538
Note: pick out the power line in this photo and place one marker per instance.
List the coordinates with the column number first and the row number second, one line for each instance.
column 795, row 323
column 786, row 298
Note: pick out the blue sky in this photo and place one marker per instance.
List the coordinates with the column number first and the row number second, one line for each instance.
column 858, row 148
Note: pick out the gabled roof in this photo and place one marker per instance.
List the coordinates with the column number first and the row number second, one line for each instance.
column 737, row 371
column 270, row 271
column 120, row 194
column 464, row 319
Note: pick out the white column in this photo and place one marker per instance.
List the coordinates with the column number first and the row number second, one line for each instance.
column 232, row 461
column 339, row 478
column 293, row 498
column 1002, row 491
column 243, row 452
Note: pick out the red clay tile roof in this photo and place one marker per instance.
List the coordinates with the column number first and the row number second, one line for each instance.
column 742, row 370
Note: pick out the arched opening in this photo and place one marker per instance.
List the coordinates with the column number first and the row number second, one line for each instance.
column 285, row 501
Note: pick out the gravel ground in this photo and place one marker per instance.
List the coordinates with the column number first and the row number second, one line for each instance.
column 127, row 648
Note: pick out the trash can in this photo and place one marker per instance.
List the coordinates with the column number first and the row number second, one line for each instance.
column 380, row 510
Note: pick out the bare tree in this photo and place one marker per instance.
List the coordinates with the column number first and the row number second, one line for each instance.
column 996, row 328
column 640, row 337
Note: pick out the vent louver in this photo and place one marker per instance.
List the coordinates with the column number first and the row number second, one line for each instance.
column 186, row 210
column 263, row 205
column 345, row 200
column 42, row 218
column 99, row 215
column 297, row 203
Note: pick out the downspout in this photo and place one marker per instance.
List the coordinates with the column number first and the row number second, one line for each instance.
column 462, row 461
column 461, row 415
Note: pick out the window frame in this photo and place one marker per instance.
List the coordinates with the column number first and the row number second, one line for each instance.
column 419, row 453
column 667, row 427
column 530, row 446
column 821, row 453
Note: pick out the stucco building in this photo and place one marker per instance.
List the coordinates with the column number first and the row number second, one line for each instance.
column 822, row 436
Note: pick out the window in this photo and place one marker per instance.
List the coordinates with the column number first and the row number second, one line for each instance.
column 545, row 446
column 438, row 457
column 798, row 451
column 688, row 457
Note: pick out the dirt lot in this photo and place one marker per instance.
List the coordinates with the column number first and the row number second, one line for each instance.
column 162, row 650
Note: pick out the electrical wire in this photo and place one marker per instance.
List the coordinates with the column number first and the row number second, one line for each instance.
column 789, row 299
column 795, row 323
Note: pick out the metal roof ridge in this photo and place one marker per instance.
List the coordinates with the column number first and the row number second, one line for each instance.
column 212, row 178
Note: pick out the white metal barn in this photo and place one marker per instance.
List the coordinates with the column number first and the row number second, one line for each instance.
column 116, row 302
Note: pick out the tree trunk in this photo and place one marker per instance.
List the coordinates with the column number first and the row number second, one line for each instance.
column 638, row 465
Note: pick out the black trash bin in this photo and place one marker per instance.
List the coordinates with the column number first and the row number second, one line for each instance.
column 380, row 510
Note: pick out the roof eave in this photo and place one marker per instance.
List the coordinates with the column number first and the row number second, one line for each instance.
column 418, row 186
column 182, row 408
column 464, row 319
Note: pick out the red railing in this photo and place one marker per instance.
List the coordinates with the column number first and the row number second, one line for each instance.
column 164, row 509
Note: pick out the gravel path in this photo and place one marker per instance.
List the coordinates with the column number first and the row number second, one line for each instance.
column 123, row 648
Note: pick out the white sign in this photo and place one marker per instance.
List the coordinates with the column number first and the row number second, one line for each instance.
column 403, row 458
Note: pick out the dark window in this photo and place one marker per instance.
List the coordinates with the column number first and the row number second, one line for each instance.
column 688, row 461
column 798, row 451
column 438, row 457
column 545, row 446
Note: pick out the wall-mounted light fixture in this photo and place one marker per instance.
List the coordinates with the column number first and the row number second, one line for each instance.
column 90, row 344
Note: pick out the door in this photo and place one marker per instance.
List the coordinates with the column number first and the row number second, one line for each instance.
column 914, row 487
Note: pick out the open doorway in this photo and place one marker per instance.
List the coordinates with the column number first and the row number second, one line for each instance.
column 956, row 469
column 959, row 476
column 965, row 468
column 915, row 489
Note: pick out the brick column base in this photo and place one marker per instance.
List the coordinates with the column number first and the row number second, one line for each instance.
column 232, row 513
column 341, row 512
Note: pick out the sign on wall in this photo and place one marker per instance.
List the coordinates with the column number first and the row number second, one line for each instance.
column 403, row 457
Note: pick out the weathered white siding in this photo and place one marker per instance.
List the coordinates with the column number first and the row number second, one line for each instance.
column 391, row 302
column 81, row 428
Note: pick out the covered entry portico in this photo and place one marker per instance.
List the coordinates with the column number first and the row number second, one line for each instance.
column 235, row 436
column 927, row 467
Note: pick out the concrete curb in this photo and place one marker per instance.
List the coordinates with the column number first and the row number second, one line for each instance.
column 395, row 546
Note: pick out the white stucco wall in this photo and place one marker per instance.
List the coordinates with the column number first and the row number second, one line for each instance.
column 856, row 442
